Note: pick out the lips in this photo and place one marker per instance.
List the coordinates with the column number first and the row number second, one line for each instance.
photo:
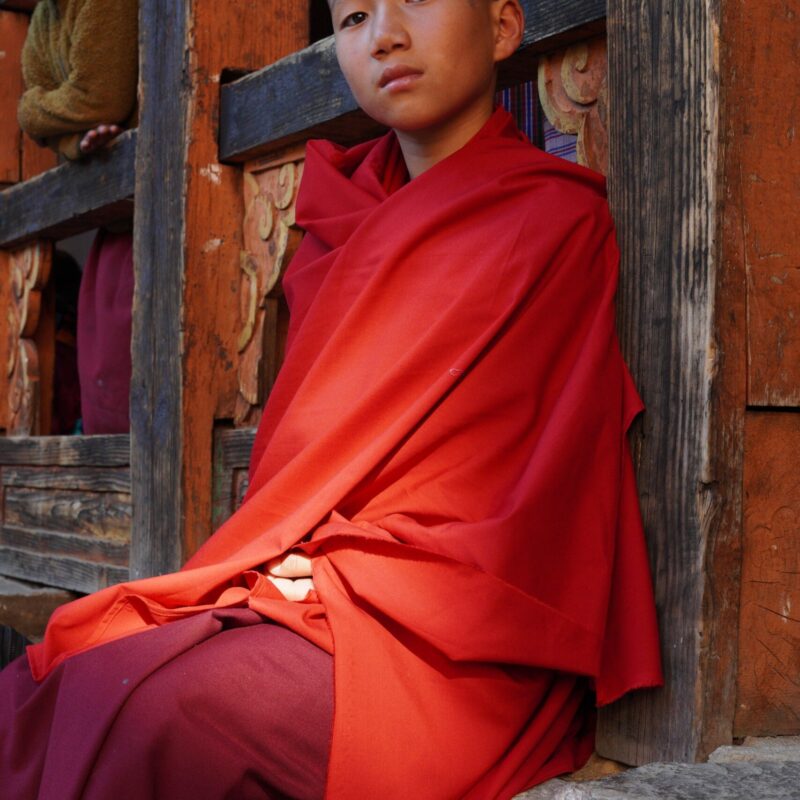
column 397, row 73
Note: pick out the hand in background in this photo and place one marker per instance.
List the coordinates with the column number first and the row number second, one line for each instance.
column 98, row 137
column 291, row 575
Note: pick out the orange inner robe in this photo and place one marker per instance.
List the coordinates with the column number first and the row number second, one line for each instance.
column 447, row 439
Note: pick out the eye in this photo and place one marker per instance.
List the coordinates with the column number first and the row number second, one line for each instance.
column 351, row 20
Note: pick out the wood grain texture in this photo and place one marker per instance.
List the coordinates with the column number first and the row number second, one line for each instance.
column 95, row 514
column 57, row 544
column 159, row 266
column 45, row 339
column 93, row 479
column 232, row 448
column 72, row 198
column 66, row 573
column 96, row 451
column 184, row 329
column 305, row 95
column 664, row 106
column 766, row 122
column 768, row 695
column 6, row 344
column 13, row 28
column 65, row 510
column 214, row 208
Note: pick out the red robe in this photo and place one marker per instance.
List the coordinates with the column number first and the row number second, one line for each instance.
column 447, row 440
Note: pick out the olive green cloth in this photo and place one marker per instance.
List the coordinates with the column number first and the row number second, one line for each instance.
column 80, row 66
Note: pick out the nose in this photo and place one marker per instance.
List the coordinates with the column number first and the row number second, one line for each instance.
column 388, row 32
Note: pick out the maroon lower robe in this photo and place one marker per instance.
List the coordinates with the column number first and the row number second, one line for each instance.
column 104, row 333
column 221, row 705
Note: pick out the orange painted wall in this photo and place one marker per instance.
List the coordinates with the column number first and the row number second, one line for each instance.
column 761, row 43
column 214, row 214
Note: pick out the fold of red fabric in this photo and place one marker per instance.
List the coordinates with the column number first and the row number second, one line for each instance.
column 447, row 440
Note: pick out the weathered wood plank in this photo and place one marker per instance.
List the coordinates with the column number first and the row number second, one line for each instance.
column 105, row 514
column 232, row 448
column 13, row 28
column 235, row 445
column 214, row 208
column 664, row 102
column 93, row 479
column 99, row 451
column 765, row 122
column 56, row 545
column 305, row 95
column 71, row 198
column 768, row 696
column 66, row 573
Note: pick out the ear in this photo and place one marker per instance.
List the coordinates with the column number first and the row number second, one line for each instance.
column 509, row 25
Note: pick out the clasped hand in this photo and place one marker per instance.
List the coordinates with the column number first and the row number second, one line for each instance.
column 291, row 575
column 98, row 137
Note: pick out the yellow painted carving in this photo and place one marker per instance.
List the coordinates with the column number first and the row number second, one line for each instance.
column 248, row 297
column 573, row 90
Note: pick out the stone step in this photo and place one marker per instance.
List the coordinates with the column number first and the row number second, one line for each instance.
column 777, row 779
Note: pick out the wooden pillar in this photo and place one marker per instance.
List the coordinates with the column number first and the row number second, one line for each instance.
column 760, row 187
column 687, row 361
column 187, row 245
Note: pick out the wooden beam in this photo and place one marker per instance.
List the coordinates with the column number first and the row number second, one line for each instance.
column 66, row 573
column 112, row 450
column 159, row 264
column 305, row 95
column 187, row 244
column 665, row 130
column 72, row 198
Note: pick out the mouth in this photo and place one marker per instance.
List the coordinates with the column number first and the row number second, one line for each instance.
column 398, row 75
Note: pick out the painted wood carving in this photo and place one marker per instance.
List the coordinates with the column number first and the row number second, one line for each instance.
column 30, row 269
column 573, row 89
column 270, row 240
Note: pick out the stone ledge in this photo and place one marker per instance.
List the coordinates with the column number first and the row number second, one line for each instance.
column 738, row 780
column 769, row 748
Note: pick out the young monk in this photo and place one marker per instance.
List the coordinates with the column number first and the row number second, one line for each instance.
column 80, row 66
column 439, row 568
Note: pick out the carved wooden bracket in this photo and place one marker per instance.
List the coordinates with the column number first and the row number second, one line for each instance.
column 30, row 270
column 573, row 89
column 270, row 241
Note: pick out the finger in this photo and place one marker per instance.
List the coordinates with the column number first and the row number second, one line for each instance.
column 293, row 590
column 291, row 565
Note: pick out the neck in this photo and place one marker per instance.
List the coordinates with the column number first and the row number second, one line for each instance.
column 423, row 149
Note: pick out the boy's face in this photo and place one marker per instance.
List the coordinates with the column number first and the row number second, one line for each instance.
column 418, row 65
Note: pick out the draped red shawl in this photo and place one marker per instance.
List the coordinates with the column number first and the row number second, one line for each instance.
column 447, row 440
